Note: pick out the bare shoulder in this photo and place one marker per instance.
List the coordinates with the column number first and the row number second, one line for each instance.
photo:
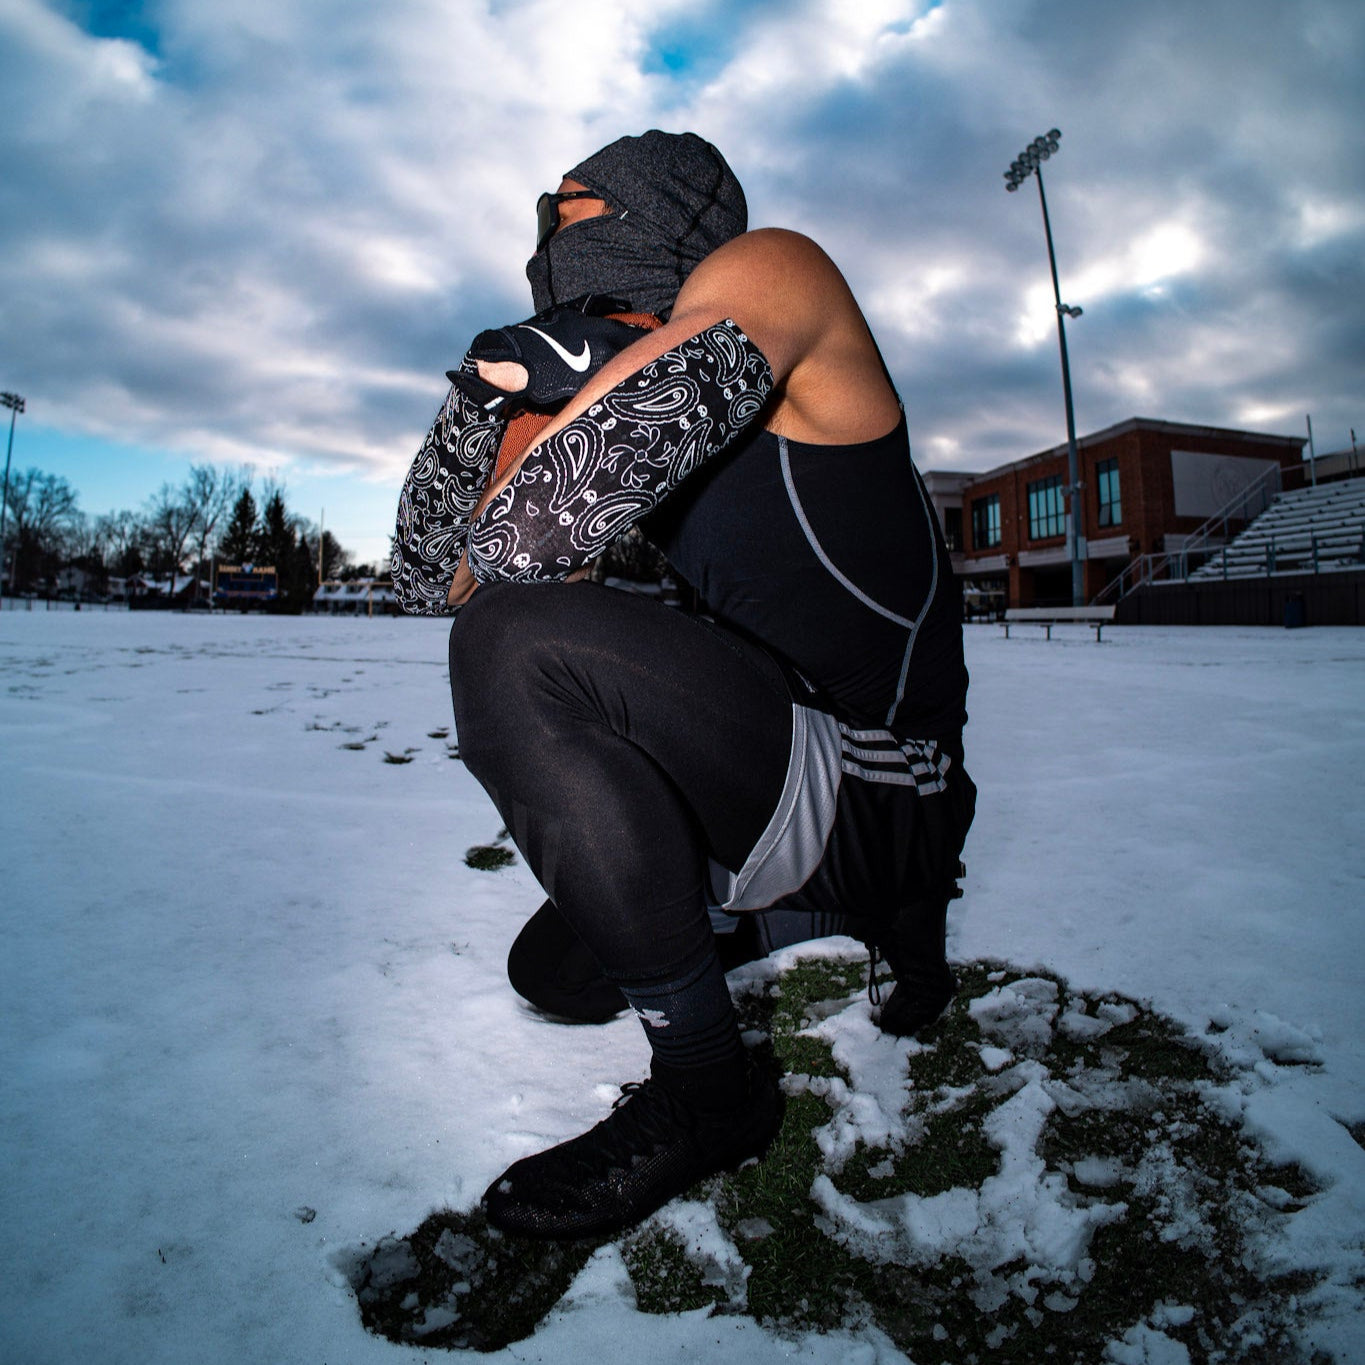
column 790, row 297
column 766, row 258
column 781, row 244
column 781, row 288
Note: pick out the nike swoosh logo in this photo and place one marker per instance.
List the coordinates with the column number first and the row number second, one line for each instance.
column 574, row 362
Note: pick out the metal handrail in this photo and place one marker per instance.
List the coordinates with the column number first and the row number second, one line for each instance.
column 1236, row 508
column 1145, row 568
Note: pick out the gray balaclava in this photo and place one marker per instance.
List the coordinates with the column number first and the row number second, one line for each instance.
column 673, row 201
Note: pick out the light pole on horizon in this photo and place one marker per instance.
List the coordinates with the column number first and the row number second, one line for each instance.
column 15, row 404
column 1030, row 162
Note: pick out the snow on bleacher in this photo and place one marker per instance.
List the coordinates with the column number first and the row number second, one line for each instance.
column 1310, row 530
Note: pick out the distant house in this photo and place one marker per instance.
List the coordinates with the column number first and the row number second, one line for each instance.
column 355, row 597
column 74, row 581
column 175, row 589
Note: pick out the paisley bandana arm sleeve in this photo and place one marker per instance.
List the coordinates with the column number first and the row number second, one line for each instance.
column 439, row 495
column 607, row 468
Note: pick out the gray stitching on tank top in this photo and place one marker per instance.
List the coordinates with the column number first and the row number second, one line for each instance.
column 825, row 559
column 928, row 599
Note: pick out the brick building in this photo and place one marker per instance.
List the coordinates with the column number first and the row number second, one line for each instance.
column 1146, row 485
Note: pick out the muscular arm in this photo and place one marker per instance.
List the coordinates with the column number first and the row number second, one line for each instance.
column 611, row 465
column 789, row 300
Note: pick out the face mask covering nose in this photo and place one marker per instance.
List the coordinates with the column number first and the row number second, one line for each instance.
column 672, row 200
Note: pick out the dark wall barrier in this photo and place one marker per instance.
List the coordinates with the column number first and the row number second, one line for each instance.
column 1330, row 599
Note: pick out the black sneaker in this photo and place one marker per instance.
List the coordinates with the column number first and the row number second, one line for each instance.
column 913, row 945
column 649, row 1149
column 918, row 1001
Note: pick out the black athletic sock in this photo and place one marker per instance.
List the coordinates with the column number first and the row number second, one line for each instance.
column 689, row 1018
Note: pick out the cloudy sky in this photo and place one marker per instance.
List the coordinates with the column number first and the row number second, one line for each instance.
column 260, row 231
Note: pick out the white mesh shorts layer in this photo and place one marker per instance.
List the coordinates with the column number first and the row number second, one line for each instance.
column 825, row 753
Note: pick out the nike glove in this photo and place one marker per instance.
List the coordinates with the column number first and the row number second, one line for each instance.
column 561, row 348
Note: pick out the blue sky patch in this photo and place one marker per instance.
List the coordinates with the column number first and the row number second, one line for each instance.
column 701, row 44
column 129, row 19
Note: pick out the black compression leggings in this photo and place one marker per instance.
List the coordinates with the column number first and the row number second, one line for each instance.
column 624, row 744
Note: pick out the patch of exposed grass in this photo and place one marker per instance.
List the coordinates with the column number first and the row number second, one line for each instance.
column 799, row 991
column 489, row 857
column 1158, row 1050
column 665, row 1278
column 951, row 1152
column 1188, row 1179
column 797, row 1275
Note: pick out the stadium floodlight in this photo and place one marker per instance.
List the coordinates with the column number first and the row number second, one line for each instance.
column 1029, row 162
column 15, row 404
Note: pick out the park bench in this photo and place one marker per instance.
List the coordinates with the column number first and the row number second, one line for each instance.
column 1047, row 617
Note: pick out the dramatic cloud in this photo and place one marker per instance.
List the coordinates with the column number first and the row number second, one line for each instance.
column 262, row 231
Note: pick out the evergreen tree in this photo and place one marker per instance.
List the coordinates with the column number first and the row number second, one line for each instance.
column 238, row 545
column 335, row 560
column 303, row 576
column 275, row 540
column 275, row 547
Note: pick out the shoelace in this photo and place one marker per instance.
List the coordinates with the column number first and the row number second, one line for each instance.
column 643, row 1116
column 874, row 990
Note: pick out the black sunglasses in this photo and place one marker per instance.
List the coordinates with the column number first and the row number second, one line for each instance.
column 547, row 212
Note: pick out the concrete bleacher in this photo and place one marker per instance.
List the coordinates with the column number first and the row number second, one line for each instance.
column 1310, row 530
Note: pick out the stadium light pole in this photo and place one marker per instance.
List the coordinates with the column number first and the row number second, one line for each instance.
column 1030, row 162
column 15, row 404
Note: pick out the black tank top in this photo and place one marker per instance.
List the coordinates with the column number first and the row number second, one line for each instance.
column 831, row 557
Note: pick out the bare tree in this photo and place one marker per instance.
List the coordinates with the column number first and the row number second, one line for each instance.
column 42, row 516
column 211, row 492
column 83, row 540
column 121, row 535
column 171, row 521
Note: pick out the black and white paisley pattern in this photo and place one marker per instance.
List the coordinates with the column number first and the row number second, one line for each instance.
column 614, row 463
column 439, row 495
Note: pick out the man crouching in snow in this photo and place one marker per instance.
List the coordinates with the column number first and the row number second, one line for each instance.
column 800, row 743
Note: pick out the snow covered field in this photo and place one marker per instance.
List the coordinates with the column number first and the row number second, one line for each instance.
column 253, row 1005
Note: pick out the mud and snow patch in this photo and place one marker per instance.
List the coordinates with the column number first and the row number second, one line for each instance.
column 1063, row 1189
column 1023, row 1212
column 1260, row 1040
column 1019, row 1015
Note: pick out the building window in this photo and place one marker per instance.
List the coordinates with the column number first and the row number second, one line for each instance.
column 1107, row 481
column 952, row 527
column 1046, row 512
column 986, row 522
